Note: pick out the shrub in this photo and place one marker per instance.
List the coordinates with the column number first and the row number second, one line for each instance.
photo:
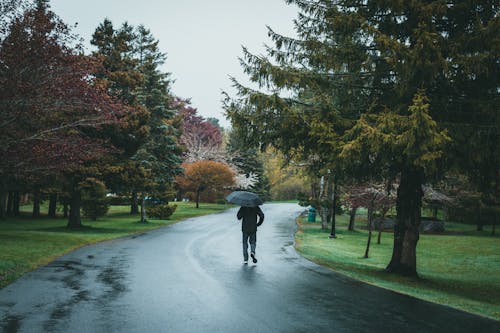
column 162, row 212
column 94, row 201
column 119, row 200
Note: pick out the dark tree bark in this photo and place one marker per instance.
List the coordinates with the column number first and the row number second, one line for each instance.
column 143, row 209
column 10, row 204
column 52, row 205
column 381, row 224
column 74, row 218
column 352, row 217
column 330, row 195
column 435, row 212
column 2, row 204
column 323, row 198
column 314, row 190
column 406, row 233
column 134, row 210
column 198, row 191
column 16, row 203
column 479, row 220
column 65, row 210
column 36, row 203
column 370, row 223
column 334, row 208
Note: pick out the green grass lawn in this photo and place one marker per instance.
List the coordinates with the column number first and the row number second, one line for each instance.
column 27, row 243
column 459, row 268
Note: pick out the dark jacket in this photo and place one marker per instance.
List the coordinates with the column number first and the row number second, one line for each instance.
column 249, row 216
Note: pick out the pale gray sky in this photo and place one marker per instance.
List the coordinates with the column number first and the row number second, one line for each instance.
column 202, row 38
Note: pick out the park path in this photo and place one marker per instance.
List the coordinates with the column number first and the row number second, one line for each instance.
column 189, row 277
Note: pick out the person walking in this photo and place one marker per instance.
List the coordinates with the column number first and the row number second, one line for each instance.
column 249, row 225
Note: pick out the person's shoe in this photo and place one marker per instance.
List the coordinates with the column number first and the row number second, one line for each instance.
column 245, row 262
column 253, row 257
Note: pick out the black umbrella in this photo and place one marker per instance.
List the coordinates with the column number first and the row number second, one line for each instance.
column 244, row 199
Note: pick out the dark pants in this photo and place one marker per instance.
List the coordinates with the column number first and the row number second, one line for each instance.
column 252, row 238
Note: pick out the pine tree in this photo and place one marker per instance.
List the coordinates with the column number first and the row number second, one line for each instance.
column 367, row 88
column 247, row 159
column 122, row 79
column 133, row 62
column 160, row 153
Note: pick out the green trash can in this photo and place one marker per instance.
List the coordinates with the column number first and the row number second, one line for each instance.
column 311, row 217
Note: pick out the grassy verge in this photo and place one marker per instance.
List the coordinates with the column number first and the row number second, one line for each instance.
column 27, row 243
column 460, row 268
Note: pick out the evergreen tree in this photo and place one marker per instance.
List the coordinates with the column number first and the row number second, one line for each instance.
column 133, row 61
column 248, row 160
column 120, row 64
column 360, row 73
column 160, row 153
column 122, row 79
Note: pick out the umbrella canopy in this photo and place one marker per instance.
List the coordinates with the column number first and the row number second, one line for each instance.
column 244, row 199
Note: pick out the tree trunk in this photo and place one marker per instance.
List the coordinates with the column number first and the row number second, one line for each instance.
column 2, row 204
column 36, row 204
column 494, row 224
column 314, row 190
column 144, row 214
column 334, row 209
column 74, row 218
column 324, row 217
column 198, row 198
column 445, row 213
column 16, row 202
column 134, row 210
column 479, row 220
column 65, row 210
column 381, row 224
column 370, row 223
column 10, row 204
column 435, row 213
column 352, row 217
column 52, row 205
column 323, row 209
column 330, row 197
column 406, row 234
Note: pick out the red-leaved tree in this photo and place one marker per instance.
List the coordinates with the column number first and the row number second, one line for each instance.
column 374, row 197
column 53, row 110
column 202, row 139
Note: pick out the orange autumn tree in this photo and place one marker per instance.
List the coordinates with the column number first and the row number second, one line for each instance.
column 205, row 175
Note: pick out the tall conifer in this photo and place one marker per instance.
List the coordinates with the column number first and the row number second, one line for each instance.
column 360, row 72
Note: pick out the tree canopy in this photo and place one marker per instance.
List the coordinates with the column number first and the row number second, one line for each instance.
column 384, row 90
column 205, row 175
column 66, row 117
column 149, row 141
column 54, row 108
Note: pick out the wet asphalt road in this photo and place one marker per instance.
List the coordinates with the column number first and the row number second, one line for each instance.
column 189, row 277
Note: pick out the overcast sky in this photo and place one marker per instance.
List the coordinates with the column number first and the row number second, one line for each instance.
column 202, row 38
